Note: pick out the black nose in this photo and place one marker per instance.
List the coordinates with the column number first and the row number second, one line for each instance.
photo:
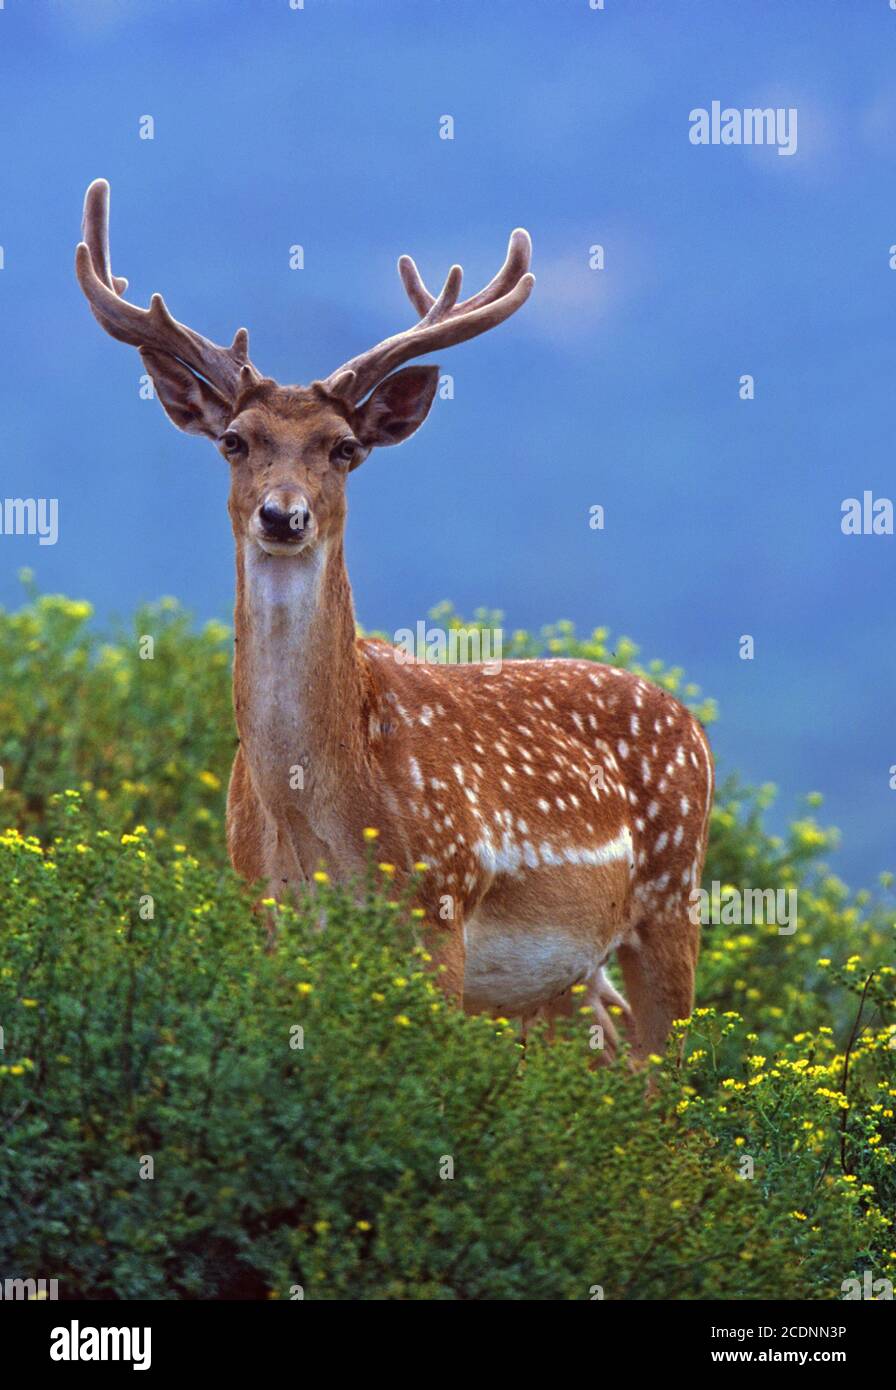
column 283, row 526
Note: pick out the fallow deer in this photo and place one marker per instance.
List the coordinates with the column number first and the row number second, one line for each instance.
column 561, row 806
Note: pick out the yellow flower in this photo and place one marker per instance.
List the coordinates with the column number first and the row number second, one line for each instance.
column 30, row 1003
column 208, row 779
column 577, row 989
column 304, row 987
column 418, row 912
column 387, row 869
column 402, row 1020
column 798, row 1215
column 823, row 961
column 321, row 877
column 321, row 1227
column 17, row 1070
column 370, row 833
column 421, row 867
column 363, row 1225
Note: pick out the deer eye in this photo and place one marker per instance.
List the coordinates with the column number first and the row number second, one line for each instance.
column 232, row 443
column 345, row 451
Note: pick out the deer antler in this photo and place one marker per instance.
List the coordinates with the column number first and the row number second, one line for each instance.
column 443, row 321
column 226, row 369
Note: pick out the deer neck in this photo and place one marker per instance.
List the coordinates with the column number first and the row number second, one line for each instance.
column 298, row 679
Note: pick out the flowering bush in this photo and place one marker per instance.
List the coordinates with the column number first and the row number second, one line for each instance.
column 184, row 1113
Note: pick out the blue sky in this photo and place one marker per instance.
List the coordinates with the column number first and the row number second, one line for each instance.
column 618, row 387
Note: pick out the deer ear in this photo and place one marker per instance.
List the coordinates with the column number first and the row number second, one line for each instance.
column 398, row 406
column 189, row 402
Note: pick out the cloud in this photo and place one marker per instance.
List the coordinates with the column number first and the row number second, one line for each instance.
column 571, row 300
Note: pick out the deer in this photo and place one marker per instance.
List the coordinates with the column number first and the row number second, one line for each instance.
column 559, row 807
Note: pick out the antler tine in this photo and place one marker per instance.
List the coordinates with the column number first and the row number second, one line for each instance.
column 412, row 280
column 443, row 322
column 516, row 263
column 226, row 369
column 447, row 300
column 95, row 229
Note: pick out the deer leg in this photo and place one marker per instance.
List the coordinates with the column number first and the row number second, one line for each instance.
column 658, row 965
column 599, row 996
column 245, row 823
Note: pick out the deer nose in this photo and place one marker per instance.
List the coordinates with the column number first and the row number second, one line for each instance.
column 281, row 523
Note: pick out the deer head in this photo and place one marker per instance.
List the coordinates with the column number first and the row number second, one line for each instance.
column 291, row 447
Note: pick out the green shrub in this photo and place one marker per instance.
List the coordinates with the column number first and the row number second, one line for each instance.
column 403, row 1150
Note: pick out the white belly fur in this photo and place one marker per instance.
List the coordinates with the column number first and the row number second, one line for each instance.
column 517, row 970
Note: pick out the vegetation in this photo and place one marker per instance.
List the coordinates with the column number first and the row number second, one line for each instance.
column 185, row 1114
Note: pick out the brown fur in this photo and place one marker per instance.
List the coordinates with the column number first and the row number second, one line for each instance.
column 561, row 806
